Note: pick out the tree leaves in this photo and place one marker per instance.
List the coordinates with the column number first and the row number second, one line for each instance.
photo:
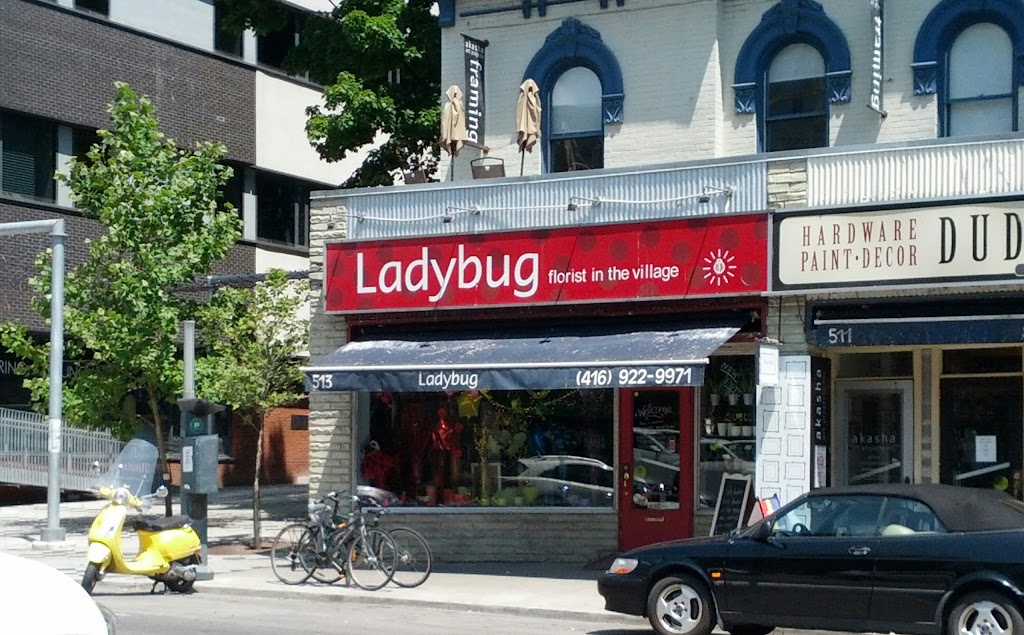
column 254, row 338
column 379, row 62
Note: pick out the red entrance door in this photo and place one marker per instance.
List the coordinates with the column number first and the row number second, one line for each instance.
column 655, row 484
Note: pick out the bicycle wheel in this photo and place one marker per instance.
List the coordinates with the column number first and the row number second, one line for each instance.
column 413, row 559
column 292, row 556
column 371, row 560
column 331, row 565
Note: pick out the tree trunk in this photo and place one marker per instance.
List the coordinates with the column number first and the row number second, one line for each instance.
column 256, row 538
column 161, row 443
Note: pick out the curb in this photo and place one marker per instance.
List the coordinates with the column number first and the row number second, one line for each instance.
column 287, row 593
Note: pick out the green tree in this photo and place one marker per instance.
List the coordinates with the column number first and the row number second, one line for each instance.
column 164, row 226
column 379, row 62
column 253, row 338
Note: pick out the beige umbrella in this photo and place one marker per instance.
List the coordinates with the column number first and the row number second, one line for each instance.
column 527, row 119
column 453, row 123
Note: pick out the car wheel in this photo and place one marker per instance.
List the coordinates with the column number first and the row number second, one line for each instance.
column 985, row 613
column 680, row 606
column 751, row 629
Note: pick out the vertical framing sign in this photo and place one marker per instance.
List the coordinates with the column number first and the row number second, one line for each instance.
column 475, row 103
column 877, row 57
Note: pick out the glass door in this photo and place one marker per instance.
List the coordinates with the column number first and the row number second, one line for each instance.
column 875, row 426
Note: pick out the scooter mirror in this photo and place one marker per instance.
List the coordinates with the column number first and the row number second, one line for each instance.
column 161, row 492
column 95, row 467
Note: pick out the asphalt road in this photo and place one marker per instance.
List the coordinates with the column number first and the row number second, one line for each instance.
column 144, row 614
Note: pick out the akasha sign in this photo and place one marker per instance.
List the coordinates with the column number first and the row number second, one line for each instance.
column 977, row 242
column 707, row 256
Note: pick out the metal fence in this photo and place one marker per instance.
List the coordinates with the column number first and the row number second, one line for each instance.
column 24, row 451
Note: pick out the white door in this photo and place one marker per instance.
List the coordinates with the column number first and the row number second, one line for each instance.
column 874, row 431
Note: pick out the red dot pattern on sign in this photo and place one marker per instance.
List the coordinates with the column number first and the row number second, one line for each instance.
column 619, row 250
column 649, row 290
column 487, row 292
column 440, row 254
column 760, row 231
column 681, row 253
column 753, row 275
column 561, row 263
column 385, row 254
column 608, row 284
column 730, row 239
column 540, row 235
column 650, row 237
column 586, row 242
column 476, row 239
column 554, row 294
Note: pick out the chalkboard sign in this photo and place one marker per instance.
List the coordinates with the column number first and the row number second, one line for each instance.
column 733, row 503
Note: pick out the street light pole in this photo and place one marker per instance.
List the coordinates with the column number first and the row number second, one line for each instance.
column 53, row 532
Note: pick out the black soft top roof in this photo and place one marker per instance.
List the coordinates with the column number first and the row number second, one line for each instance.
column 959, row 508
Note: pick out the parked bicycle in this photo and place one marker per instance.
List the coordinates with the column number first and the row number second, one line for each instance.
column 413, row 558
column 330, row 548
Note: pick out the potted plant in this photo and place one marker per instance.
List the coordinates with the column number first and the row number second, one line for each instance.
column 747, row 385
column 716, row 390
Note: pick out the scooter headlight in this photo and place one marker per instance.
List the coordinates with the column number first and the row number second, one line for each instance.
column 121, row 496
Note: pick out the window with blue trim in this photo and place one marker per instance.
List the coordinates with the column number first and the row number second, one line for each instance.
column 980, row 97
column 790, row 70
column 796, row 113
column 576, row 141
column 581, row 91
column 970, row 53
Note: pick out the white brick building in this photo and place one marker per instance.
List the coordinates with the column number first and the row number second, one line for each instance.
column 705, row 135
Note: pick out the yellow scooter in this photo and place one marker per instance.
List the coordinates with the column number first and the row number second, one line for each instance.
column 168, row 546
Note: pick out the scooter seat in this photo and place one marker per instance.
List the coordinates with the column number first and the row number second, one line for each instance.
column 159, row 523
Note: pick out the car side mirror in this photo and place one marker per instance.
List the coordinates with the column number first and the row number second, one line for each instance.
column 95, row 467
column 161, row 492
column 764, row 532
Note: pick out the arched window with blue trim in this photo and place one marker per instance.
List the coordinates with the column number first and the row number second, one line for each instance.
column 971, row 54
column 581, row 91
column 796, row 115
column 789, row 72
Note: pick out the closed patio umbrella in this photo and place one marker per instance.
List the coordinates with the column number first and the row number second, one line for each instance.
column 453, row 123
column 527, row 119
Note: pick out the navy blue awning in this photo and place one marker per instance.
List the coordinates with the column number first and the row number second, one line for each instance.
column 591, row 358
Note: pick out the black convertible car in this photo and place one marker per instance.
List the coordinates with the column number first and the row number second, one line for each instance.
column 903, row 558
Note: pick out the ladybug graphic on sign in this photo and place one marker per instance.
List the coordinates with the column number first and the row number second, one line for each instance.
column 719, row 267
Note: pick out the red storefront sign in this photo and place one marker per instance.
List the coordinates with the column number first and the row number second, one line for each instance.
column 654, row 260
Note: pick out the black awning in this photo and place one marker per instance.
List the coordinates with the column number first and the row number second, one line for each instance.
column 582, row 358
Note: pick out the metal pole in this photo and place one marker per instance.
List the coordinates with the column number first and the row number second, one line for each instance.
column 189, row 336
column 53, row 532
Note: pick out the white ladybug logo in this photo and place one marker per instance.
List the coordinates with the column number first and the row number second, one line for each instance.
column 719, row 267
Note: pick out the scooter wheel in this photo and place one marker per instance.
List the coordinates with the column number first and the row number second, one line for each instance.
column 183, row 586
column 92, row 575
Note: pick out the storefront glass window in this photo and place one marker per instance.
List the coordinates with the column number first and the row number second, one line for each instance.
column 492, row 448
column 876, row 365
column 727, row 435
column 977, row 361
column 981, row 432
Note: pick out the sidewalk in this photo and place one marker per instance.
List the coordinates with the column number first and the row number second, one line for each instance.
column 558, row 591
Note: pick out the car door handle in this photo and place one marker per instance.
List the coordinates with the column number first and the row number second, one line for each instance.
column 860, row 551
